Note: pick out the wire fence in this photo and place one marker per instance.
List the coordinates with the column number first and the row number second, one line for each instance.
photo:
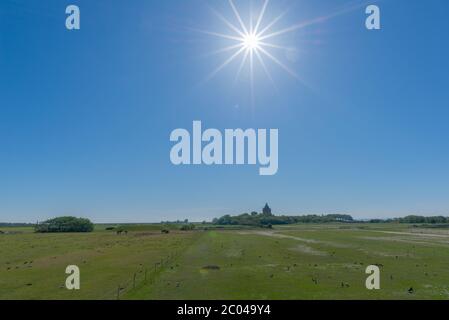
column 146, row 274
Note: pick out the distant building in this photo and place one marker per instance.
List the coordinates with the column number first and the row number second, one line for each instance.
column 266, row 210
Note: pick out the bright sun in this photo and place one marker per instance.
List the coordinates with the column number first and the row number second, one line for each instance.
column 254, row 40
column 251, row 42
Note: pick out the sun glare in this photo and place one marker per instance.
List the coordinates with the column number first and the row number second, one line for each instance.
column 251, row 42
column 255, row 41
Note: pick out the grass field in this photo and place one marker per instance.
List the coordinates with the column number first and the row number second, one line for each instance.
column 289, row 262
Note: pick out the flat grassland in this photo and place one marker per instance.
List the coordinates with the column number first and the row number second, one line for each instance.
column 289, row 262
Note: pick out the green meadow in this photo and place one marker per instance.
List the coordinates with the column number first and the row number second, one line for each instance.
column 325, row 261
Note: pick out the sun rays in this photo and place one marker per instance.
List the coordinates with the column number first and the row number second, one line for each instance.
column 253, row 41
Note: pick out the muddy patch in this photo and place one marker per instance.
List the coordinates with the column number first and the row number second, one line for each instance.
column 271, row 265
column 309, row 241
column 383, row 254
column 234, row 253
column 397, row 239
column 419, row 234
column 204, row 271
column 211, row 267
column 308, row 250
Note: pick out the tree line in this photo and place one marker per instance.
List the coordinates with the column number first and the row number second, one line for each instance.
column 267, row 219
column 414, row 219
column 261, row 219
column 15, row 225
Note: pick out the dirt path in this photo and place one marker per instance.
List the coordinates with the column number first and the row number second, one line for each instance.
column 414, row 234
column 302, row 247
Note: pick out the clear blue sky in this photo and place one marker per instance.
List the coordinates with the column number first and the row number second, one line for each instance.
column 85, row 116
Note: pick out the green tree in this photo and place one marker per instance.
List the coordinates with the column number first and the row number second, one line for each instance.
column 65, row 224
